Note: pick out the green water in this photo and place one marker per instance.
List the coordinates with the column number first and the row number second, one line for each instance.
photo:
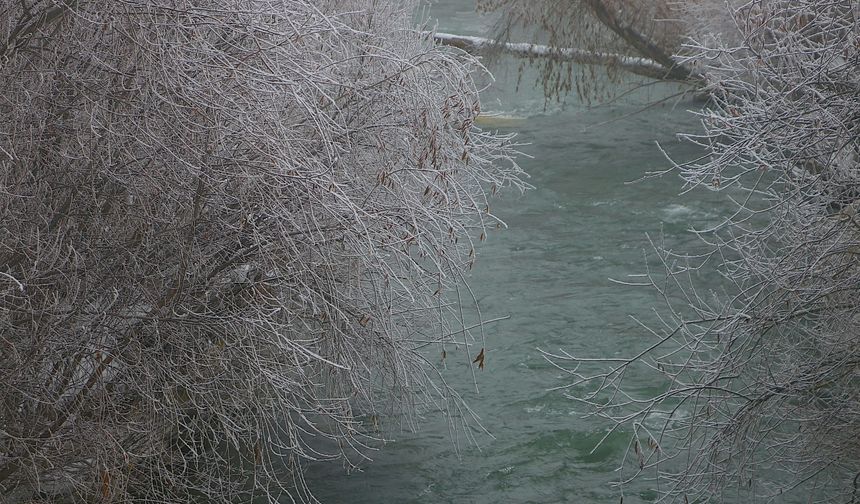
column 581, row 225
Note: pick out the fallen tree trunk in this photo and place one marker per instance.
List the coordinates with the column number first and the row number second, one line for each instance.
column 637, row 65
column 643, row 44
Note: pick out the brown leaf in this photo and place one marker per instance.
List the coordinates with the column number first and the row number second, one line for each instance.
column 480, row 359
column 105, row 484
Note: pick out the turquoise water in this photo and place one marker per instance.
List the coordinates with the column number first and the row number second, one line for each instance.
column 582, row 225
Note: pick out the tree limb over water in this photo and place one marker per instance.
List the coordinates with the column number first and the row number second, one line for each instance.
column 638, row 65
column 639, row 29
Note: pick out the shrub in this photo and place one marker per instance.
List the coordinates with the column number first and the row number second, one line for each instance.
column 228, row 228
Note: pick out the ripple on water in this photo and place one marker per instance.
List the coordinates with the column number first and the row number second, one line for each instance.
column 583, row 450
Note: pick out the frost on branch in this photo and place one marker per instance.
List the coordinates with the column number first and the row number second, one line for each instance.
column 762, row 398
column 228, row 228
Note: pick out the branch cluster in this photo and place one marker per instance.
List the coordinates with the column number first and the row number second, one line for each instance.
column 228, row 228
column 762, row 397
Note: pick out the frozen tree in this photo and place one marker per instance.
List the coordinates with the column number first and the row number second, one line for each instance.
column 762, row 376
column 229, row 230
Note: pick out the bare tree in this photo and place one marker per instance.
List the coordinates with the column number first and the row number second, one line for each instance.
column 229, row 227
column 762, row 398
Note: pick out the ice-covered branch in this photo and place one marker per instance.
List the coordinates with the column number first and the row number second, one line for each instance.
column 640, row 66
column 228, row 235
column 761, row 370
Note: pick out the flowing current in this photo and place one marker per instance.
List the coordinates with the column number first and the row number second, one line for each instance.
column 583, row 224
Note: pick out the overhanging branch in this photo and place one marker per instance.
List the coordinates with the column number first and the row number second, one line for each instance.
column 644, row 46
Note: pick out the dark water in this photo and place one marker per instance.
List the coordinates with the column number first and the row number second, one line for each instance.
column 581, row 225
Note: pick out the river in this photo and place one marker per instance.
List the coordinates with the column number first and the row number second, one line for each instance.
column 582, row 225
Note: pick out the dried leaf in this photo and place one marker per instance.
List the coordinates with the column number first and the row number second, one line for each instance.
column 105, row 484
column 480, row 359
